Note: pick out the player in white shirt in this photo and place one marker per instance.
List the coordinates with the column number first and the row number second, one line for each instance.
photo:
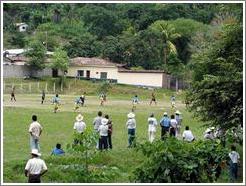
column 35, row 131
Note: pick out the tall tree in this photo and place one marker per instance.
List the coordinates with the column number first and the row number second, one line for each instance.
column 36, row 54
column 60, row 60
column 168, row 35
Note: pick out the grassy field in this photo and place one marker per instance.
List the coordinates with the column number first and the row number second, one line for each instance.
column 59, row 128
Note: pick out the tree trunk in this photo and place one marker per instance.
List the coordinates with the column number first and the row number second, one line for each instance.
column 177, row 84
column 165, row 56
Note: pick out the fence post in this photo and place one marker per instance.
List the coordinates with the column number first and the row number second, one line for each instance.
column 30, row 87
column 46, row 87
column 54, row 87
column 38, row 85
column 69, row 86
column 4, row 85
column 13, row 85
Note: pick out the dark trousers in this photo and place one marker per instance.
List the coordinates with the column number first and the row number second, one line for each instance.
column 34, row 178
column 164, row 130
column 109, row 141
column 172, row 132
column 131, row 137
column 103, row 142
column 233, row 171
column 42, row 100
column 12, row 97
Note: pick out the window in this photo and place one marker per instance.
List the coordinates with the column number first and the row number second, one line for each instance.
column 80, row 73
column 103, row 75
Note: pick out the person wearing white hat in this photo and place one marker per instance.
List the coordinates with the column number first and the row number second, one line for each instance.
column 208, row 135
column 165, row 125
column 152, row 127
column 178, row 118
column 103, row 131
column 131, row 127
column 35, row 167
column 79, row 128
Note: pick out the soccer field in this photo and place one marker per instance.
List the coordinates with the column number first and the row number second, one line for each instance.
column 58, row 127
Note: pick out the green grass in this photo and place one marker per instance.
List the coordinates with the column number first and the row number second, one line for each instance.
column 116, row 165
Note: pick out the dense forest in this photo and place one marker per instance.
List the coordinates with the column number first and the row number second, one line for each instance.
column 148, row 36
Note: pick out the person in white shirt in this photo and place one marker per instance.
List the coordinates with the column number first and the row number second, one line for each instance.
column 35, row 167
column 35, row 131
column 179, row 119
column 79, row 128
column 173, row 126
column 103, row 131
column 234, row 160
column 131, row 127
column 96, row 123
column 152, row 122
column 187, row 135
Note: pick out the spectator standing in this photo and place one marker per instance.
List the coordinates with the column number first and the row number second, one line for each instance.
column 35, row 167
column 97, row 123
column 110, row 129
column 178, row 118
column 173, row 126
column 103, row 131
column 152, row 122
column 79, row 127
column 234, row 160
column 165, row 125
column 35, row 131
column 131, row 127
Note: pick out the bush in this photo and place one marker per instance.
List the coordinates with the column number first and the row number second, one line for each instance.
column 174, row 161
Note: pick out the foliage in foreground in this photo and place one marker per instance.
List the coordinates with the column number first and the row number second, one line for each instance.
column 174, row 161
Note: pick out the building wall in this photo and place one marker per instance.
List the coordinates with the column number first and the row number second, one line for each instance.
column 21, row 71
column 112, row 72
column 15, row 71
column 143, row 79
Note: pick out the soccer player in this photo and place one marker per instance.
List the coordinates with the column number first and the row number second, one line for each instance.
column 135, row 101
column 153, row 99
column 56, row 102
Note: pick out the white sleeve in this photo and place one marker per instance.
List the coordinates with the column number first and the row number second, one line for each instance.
column 184, row 134
column 28, row 165
column 30, row 128
column 74, row 126
column 155, row 123
column 44, row 166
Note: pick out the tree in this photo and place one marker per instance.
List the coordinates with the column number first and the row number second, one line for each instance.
column 36, row 54
column 60, row 60
column 216, row 94
column 168, row 35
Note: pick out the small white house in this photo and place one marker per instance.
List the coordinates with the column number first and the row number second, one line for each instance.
column 22, row 27
column 96, row 68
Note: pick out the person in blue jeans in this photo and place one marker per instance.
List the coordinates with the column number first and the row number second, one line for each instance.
column 57, row 150
column 131, row 127
column 165, row 125
column 233, row 166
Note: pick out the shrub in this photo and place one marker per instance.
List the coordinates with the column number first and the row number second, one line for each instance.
column 174, row 161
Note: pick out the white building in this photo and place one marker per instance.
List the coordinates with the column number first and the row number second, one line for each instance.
column 96, row 68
